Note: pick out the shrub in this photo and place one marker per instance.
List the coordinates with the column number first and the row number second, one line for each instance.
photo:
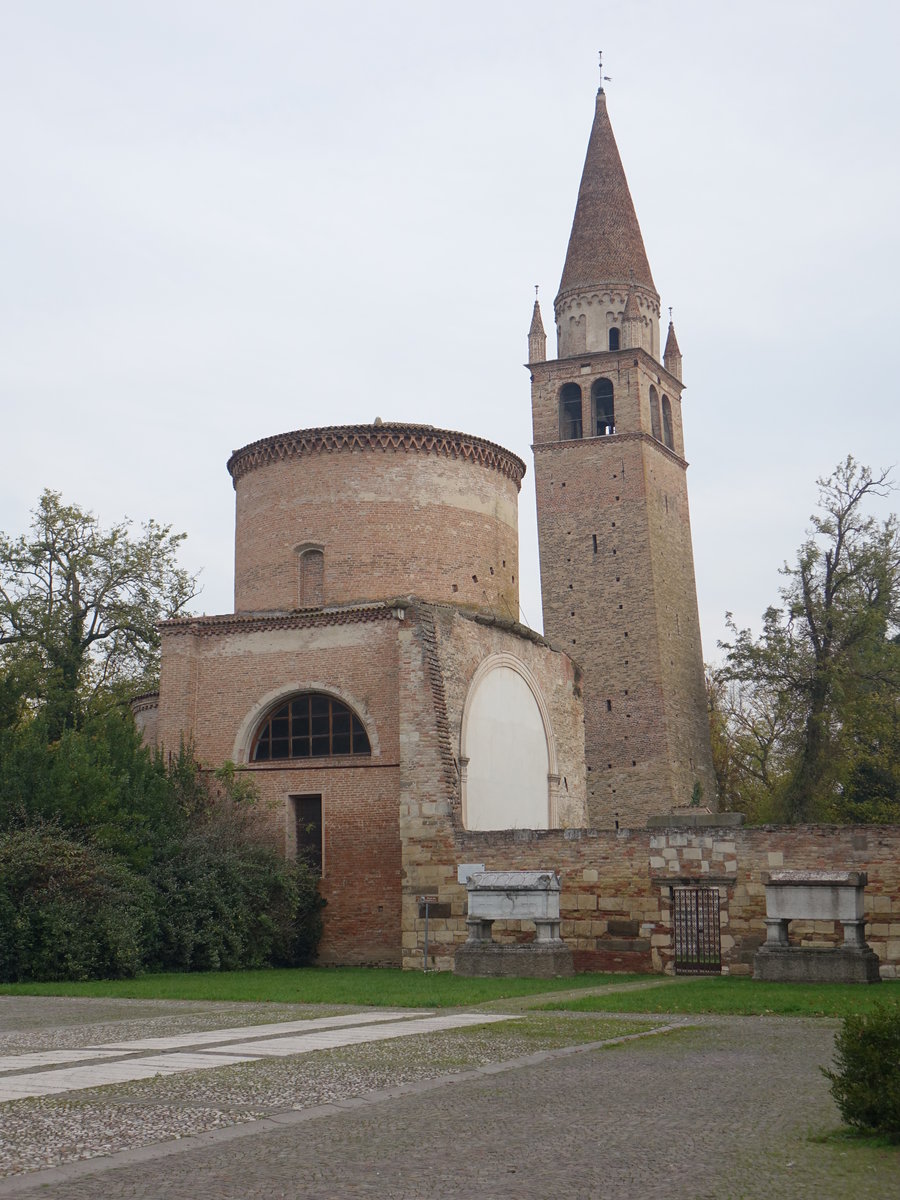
column 226, row 898
column 67, row 909
column 113, row 861
column 866, row 1080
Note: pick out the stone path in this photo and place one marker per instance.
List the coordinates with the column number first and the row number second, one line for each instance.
column 214, row 1048
column 714, row 1107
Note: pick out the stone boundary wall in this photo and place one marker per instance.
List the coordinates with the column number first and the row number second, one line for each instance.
column 616, row 888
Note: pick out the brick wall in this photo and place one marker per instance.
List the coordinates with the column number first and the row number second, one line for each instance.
column 221, row 677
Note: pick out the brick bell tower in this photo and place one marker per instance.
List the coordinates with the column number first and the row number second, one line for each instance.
column 617, row 570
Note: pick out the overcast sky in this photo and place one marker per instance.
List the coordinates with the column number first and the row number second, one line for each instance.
column 224, row 220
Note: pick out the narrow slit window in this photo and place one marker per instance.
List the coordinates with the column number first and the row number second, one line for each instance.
column 312, row 578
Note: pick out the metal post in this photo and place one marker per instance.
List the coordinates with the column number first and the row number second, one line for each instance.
column 426, row 901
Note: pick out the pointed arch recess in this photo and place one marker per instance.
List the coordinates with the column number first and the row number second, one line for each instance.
column 526, row 784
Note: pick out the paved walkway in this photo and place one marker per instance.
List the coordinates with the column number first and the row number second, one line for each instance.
column 714, row 1107
column 209, row 1049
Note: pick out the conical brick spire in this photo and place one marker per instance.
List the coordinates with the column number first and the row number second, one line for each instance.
column 605, row 245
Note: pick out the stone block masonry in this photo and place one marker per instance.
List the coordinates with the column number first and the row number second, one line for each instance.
column 616, row 899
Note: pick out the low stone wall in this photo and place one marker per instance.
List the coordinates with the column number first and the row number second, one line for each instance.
column 615, row 902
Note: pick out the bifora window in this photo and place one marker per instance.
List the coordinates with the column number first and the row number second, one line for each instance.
column 310, row 726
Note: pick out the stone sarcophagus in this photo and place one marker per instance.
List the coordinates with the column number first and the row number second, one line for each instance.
column 514, row 896
column 816, row 896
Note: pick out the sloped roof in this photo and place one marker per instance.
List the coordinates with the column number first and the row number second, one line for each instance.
column 605, row 245
column 537, row 323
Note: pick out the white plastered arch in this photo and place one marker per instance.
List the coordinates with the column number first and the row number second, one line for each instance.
column 516, row 790
column 243, row 741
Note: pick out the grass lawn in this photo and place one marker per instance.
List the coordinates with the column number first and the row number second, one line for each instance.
column 743, row 996
column 318, row 985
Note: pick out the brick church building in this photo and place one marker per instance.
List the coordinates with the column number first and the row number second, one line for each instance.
column 399, row 720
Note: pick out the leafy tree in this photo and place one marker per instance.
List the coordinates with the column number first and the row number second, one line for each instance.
column 99, row 783
column 79, row 606
column 811, row 705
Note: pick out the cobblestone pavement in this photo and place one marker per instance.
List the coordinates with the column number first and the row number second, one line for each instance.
column 721, row 1107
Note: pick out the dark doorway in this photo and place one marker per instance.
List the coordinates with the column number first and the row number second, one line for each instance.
column 308, row 825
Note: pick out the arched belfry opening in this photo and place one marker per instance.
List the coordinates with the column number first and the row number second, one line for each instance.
column 655, row 428
column 570, row 415
column 668, row 435
column 603, row 408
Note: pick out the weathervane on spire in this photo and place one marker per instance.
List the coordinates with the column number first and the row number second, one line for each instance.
column 670, row 314
column 536, row 286
column 603, row 78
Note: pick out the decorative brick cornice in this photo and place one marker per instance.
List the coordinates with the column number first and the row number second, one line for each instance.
column 606, row 361
column 256, row 622
column 638, row 436
column 146, row 702
column 393, row 438
column 599, row 293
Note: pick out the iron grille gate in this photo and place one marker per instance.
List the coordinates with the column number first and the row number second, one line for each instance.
column 698, row 948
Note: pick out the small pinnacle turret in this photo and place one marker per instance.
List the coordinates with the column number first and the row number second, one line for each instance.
column 672, row 354
column 537, row 338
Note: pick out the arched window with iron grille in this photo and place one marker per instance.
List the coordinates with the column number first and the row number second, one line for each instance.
column 309, row 725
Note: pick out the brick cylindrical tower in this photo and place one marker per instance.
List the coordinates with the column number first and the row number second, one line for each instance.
column 368, row 512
